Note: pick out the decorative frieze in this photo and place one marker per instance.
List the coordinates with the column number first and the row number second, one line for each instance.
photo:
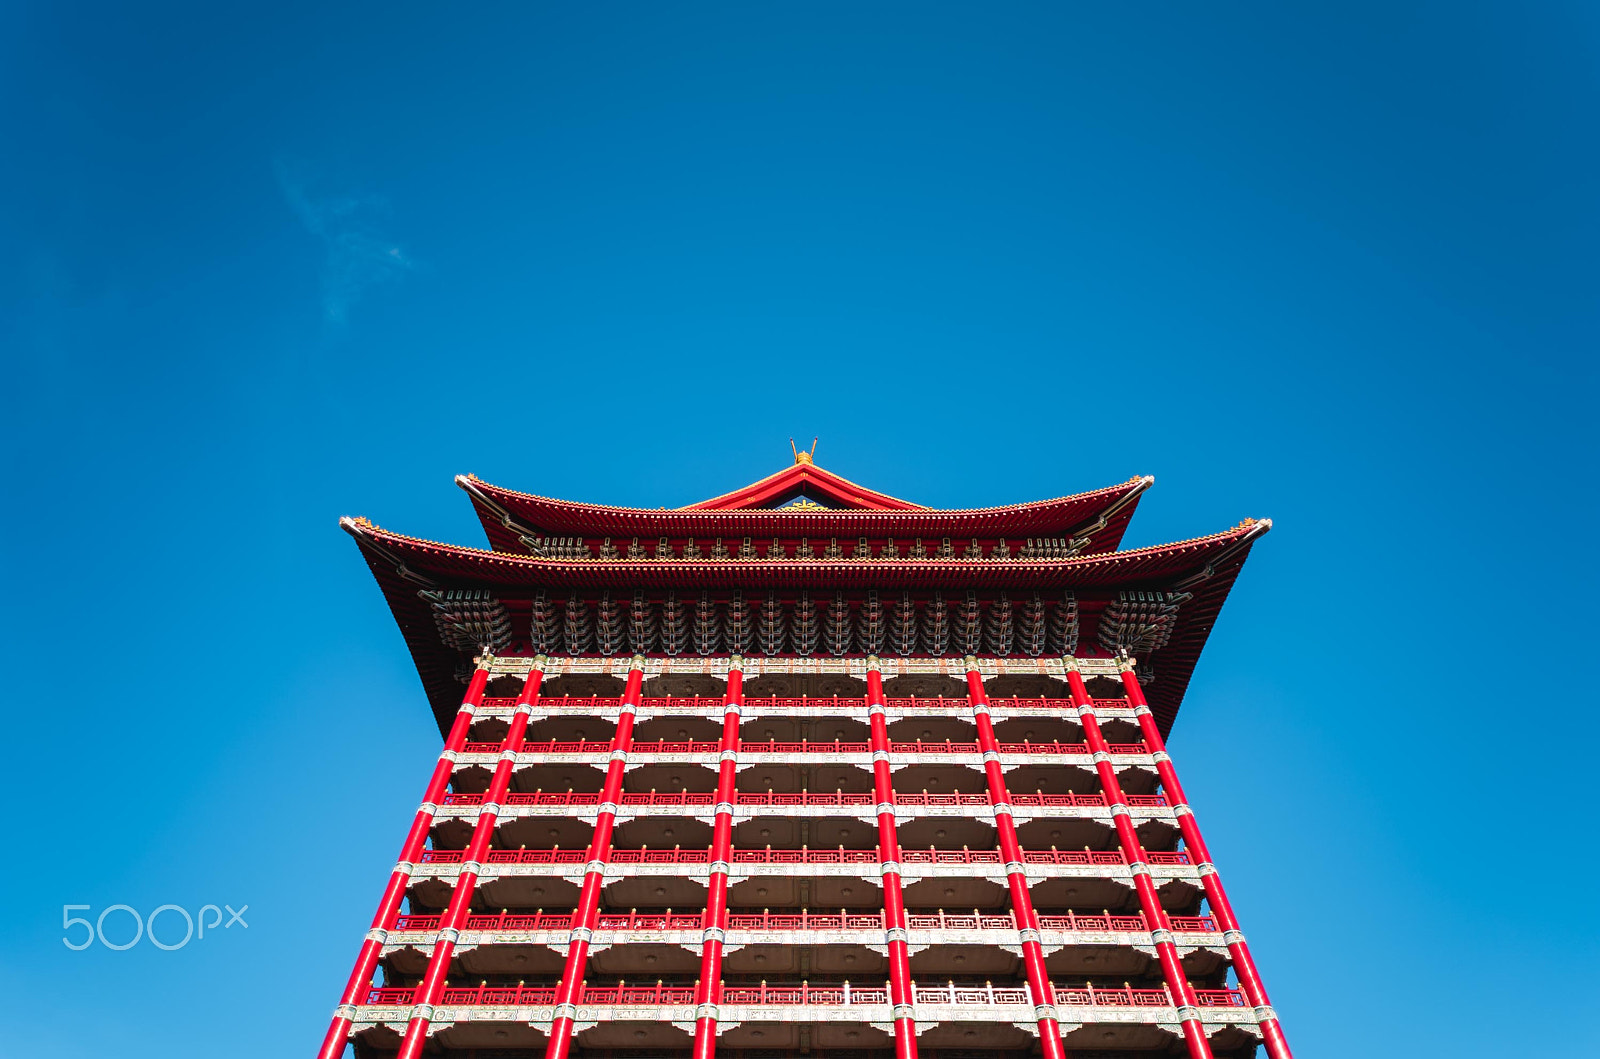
column 609, row 637
column 643, row 625
column 1140, row 622
column 817, row 665
column 674, row 625
column 805, row 627
column 936, row 625
column 1063, row 639
column 770, row 631
column 903, row 626
column 577, row 630
column 469, row 618
column 707, row 627
column 1033, row 628
column 968, row 625
column 740, row 628
column 544, row 623
column 836, row 626
column 999, row 627
column 873, row 625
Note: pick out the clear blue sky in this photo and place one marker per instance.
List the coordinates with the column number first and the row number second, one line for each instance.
column 1333, row 265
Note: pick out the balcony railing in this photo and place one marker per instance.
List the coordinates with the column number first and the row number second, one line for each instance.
column 805, row 856
column 846, row 705
column 843, row 994
column 663, row 746
column 794, row 798
column 809, row 921
column 802, row 856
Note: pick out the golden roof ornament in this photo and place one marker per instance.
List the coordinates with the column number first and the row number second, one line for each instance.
column 804, row 457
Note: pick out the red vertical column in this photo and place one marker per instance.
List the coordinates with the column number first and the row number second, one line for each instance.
column 1243, row 964
column 587, row 914
column 455, row 914
column 1194, row 1033
column 333, row 1044
column 1044, row 1001
column 708, row 992
column 894, row 906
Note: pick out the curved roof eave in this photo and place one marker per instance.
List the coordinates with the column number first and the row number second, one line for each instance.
column 507, row 516
column 501, row 569
column 1204, row 566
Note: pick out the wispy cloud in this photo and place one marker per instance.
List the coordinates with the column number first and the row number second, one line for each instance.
column 358, row 256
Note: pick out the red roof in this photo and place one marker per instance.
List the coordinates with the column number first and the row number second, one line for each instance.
column 839, row 508
column 482, row 568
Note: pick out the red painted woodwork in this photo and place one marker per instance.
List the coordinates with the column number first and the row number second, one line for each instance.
column 1244, row 964
column 662, row 746
column 583, row 919
column 830, row 705
column 1027, row 921
column 805, row 920
column 798, row 798
column 894, row 909
column 842, row 995
column 714, row 922
column 333, row 1044
column 455, row 916
column 1194, row 1032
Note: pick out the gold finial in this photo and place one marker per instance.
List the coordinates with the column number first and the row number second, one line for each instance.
column 803, row 457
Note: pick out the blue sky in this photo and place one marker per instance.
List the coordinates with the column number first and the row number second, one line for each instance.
column 1331, row 264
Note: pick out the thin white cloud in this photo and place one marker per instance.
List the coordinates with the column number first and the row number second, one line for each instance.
column 357, row 255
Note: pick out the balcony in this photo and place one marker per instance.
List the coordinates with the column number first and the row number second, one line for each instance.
column 690, row 751
column 805, row 857
column 1062, row 878
column 459, row 804
column 789, row 878
column 844, row 942
column 850, row 1014
column 711, row 707
column 1052, row 819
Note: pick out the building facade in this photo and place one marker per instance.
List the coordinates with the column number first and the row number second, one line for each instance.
column 804, row 768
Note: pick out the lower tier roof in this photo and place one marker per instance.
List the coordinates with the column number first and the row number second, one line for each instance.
column 1190, row 580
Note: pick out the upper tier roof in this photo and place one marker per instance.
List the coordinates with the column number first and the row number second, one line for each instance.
column 804, row 500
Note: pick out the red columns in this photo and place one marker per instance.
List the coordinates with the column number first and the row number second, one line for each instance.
column 1243, row 965
column 389, row 907
column 455, row 914
column 1194, row 1033
column 587, row 914
column 1044, row 1008
column 894, row 907
column 708, row 992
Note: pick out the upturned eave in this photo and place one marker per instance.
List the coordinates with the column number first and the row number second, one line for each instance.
column 1204, row 567
column 1098, row 518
